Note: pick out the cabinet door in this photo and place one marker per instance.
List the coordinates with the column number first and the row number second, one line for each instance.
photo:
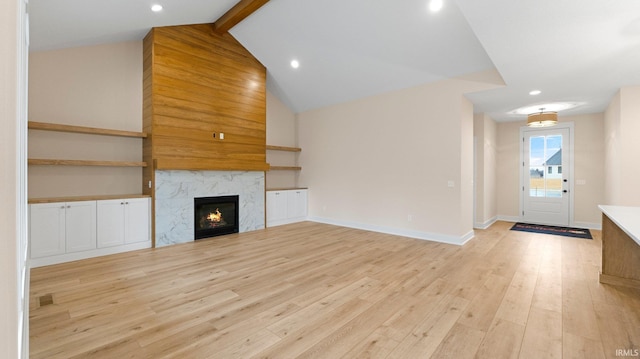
column 136, row 220
column 46, row 229
column 297, row 204
column 276, row 206
column 80, row 226
column 110, row 223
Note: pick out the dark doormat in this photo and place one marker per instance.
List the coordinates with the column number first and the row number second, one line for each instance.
column 560, row 231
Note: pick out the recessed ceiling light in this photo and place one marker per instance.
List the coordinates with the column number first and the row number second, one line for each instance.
column 435, row 5
column 156, row 7
column 535, row 92
column 295, row 64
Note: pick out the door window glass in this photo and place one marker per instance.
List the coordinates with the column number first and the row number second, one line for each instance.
column 545, row 152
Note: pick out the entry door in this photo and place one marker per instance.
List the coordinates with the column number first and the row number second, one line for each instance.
column 546, row 175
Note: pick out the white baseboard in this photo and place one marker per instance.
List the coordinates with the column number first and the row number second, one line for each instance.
column 435, row 237
column 486, row 224
column 25, row 310
column 68, row 257
column 588, row 225
column 285, row 221
column 509, row 218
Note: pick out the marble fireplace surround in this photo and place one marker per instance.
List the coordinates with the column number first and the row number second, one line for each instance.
column 176, row 189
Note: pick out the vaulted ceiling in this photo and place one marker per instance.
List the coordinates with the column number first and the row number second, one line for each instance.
column 575, row 51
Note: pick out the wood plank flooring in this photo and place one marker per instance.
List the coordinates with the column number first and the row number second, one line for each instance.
column 311, row 290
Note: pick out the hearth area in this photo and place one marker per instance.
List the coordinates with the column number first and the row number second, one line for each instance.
column 174, row 201
column 215, row 216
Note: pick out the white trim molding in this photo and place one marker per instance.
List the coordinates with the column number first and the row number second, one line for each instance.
column 434, row 237
column 68, row 257
column 513, row 219
column 486, row 224
column 588, row 225
column 571, row 153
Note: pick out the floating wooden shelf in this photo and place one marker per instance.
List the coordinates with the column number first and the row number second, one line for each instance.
column 85, row 198
column 81, row 129
column 49, row 162
column 288, row 149
column 285, row 168
column 284, row 148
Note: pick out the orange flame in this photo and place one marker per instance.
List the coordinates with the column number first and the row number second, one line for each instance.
column 215, row 216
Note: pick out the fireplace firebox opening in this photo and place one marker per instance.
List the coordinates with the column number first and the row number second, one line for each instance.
column 215, row 216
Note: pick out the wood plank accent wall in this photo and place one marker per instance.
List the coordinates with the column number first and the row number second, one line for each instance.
column 147, row 114
column 197, row 85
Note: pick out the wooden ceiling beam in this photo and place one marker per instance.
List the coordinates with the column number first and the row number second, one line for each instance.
column 239, row 12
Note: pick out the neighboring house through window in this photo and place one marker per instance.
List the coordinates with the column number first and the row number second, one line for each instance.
column 554, row 165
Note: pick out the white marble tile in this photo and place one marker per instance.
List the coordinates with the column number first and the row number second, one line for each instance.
column 175, row 191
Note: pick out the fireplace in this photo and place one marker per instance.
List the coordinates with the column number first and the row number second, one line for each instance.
column 215, row 216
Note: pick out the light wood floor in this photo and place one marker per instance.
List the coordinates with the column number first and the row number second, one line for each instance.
column 312, row 290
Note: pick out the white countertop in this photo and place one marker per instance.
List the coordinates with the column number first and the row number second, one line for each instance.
column 627, row 218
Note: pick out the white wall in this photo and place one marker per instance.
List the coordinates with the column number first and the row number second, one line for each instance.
column 384, row 162
column 465, row 182
column 281, row 131
column 589, row 173
column 507, row 168
column 588, row 166
column 613, row 152
column 621, row 130
column 485, row 133
column 12, row 117
column 94, row 86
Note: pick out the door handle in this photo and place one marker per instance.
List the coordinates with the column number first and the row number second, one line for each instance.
column 564, row 191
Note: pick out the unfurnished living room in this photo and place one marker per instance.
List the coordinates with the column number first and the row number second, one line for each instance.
column 320, row 179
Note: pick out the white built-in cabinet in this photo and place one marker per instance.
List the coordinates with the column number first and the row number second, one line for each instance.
column 297, row 204
column 80, row 226
column 286, row 206
column 122, row 221
column 276, row 207
column 64, row 227
column 66, row 231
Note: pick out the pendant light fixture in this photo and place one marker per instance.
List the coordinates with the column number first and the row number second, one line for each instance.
column 542, row 119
